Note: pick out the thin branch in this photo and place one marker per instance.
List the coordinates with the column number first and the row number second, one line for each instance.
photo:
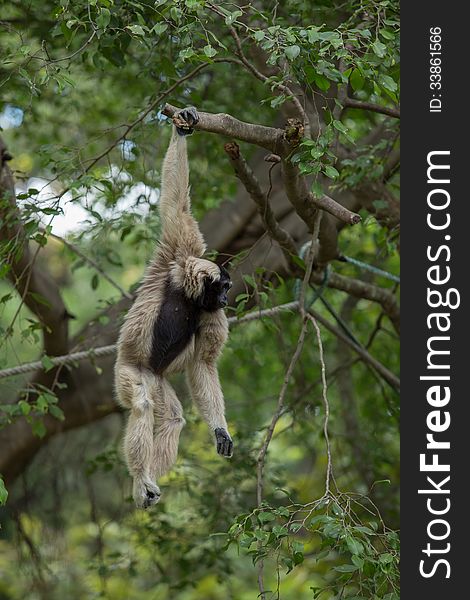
column 378, row 108
column 147, row 111
column 247, row 177
column 70, row 56
column 306, row 204
column 329, row 466
column 254, row 71
column 362, row 289
column 385, row 373
column 92, row 263
column 280, row 402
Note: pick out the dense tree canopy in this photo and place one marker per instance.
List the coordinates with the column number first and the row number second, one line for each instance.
column 294, row 176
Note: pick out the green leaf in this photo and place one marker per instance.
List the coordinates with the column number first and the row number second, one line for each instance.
column 210, row 51
column 298, row 261
column 388, row 83
column 356, row 80
column 259, row 35
column 346, row 568
column 56, row 412
column 264, row 517
column 94, row 281
column 292, row 52
column 386, row 558
column 39, row 299
column 160, row 28
column 322, row 82
column 354, row 546
column 47, row 363
column 313, row 35
column 136, row 29
column 3, row 492
column 25, row 407
column 103, row 19
column 38, row 428
column 340, row 127
column 242, row 297
column 186, row 53
column 317, row 189
column 379, row 48
column 387, row 34
column 331, row 172
column 232, row 17
column 357, row 560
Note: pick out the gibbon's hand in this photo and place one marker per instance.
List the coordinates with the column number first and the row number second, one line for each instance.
column 224, row 442
column 185, row 119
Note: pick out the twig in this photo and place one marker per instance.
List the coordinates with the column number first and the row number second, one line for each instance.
column 142, row 116
column 254, row 71
column 385, row 373
column 306, row 204
column 329, row 467
column 362, row 289
column 378, row 108
column 92, row 263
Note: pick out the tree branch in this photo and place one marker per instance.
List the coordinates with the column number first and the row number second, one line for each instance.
column 247, row 177
column 362, row 289
column 306, row 204
column 378, row 108
column 267, row 137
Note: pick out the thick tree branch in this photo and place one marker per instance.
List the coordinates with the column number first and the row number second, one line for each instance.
column 267, row 137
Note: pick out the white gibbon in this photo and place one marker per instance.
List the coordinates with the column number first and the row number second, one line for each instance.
column 176, row 323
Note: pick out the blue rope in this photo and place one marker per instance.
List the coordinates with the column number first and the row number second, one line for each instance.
column 371, row 268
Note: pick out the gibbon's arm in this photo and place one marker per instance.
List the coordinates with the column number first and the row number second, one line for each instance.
column 180, row 231
column 203, row 379
column 207, row 394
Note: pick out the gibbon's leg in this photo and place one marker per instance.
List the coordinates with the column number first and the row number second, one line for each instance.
column 207, row 393
column 138, row 438
column 169, row 422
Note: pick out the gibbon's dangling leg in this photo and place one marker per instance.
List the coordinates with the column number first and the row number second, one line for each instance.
column 169, row 422
column 138, row 387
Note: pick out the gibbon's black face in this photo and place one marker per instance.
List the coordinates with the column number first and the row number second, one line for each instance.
column 214, row 295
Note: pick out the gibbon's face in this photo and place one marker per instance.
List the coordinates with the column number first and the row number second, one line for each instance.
column 214, row 295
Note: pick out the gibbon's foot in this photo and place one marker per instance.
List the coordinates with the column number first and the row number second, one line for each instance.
column 224, row 442
column 185, row 119
column 145, row 492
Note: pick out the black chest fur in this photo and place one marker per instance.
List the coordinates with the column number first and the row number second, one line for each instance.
column 173, row 329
